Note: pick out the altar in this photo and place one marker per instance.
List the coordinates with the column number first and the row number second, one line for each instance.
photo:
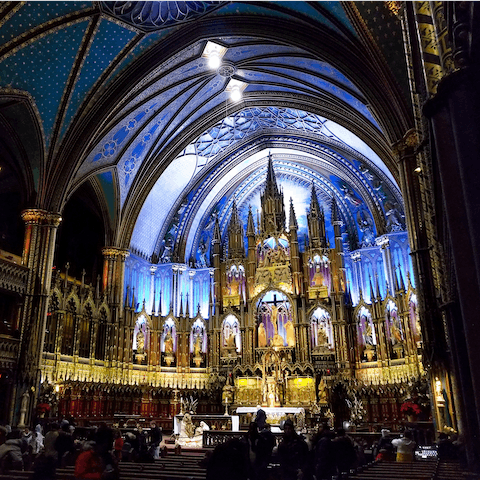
column 275, row 415
column 189, row 428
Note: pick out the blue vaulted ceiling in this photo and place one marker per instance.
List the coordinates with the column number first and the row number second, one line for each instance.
column 165, row 143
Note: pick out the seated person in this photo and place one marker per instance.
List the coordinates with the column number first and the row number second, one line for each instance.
column 405, row 447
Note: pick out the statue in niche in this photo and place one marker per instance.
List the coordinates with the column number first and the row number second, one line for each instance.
column 368, row 335
column 322, row 393
column 318, row 278
column 198, row 345
column 277, row 340
column 202, row 254
column 290, row 333
column 350, row 196
column 230, row 338
column 263, row 277
column 395, row 329
column 140, row 342
column 168, row 341
column 322, row 337
column 167, row 251
column 394, row 218
column 262, row 336
column 300, row 421
column 365, row 224
column 281, row 275
column 366, row 172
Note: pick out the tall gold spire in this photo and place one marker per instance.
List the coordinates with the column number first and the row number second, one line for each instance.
column 273, row 209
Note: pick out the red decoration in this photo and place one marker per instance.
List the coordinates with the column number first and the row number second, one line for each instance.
column 43, row 408
column 410, row 408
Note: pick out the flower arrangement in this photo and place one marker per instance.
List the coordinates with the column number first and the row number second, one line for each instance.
column 410, row 408
column 43, row 408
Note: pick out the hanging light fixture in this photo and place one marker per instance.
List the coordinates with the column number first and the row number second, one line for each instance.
column 214, row 53
column 236, row 88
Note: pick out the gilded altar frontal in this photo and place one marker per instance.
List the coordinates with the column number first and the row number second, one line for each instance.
column 207, row 208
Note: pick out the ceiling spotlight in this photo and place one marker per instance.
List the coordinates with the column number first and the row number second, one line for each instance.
column 236, row 87
column 214, row 53
column 235, row 94
column 214, row 60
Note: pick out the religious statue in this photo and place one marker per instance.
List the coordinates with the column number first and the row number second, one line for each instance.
column 277, row 340
column 201, row 428
column 300, row 421
column 140, row 342
column 322, row 337
column 275, row 320
column 317, row 279
column 188, row 425
column 197, row 347
column 230, row 340
column 168, row 342
column 322, row 393
column 368, row 335
column 290, row 333
column 395, row 330
column 262, row 336
column 394, row 217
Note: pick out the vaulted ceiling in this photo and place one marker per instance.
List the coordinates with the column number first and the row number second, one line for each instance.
column 118, row 95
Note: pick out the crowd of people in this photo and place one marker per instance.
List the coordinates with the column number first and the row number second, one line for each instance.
column 95, row 452
column 258, row 455
column 320, row 455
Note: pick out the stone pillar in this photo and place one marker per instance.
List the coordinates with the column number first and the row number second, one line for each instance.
column 173, row 299
column 38, row 250
column 113, row 282
column 114, row 273
column 192, row 306
column 153, row 269
column 384, row 243
column 357, row 271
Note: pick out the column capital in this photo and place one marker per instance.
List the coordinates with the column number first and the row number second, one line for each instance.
column 356, row 256
column 411, row 140
column 383, row 241
column 112, row 252
column 36, row 216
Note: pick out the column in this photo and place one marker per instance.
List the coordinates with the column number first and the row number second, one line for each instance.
column 153, row 269
column 173, row 296
column 38, row 251
column 357, row 271
column 193, row 305
column 384, row 243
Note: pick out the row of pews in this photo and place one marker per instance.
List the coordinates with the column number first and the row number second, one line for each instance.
column 432, row 469
column 190, row 465
column 187, row 466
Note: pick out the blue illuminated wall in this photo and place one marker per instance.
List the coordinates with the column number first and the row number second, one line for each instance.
column 370, row 268
column 166, row 286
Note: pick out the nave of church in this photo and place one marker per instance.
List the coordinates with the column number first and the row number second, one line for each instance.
column 233, row 204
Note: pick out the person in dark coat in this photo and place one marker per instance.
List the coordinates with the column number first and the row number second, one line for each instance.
column 155, row 439
column 11, row 452
column 265, row 444
column 64, row 445
column 324, row 456
column 292, row 453
column 229, row 461
column 345, row 455
column 261, row 418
